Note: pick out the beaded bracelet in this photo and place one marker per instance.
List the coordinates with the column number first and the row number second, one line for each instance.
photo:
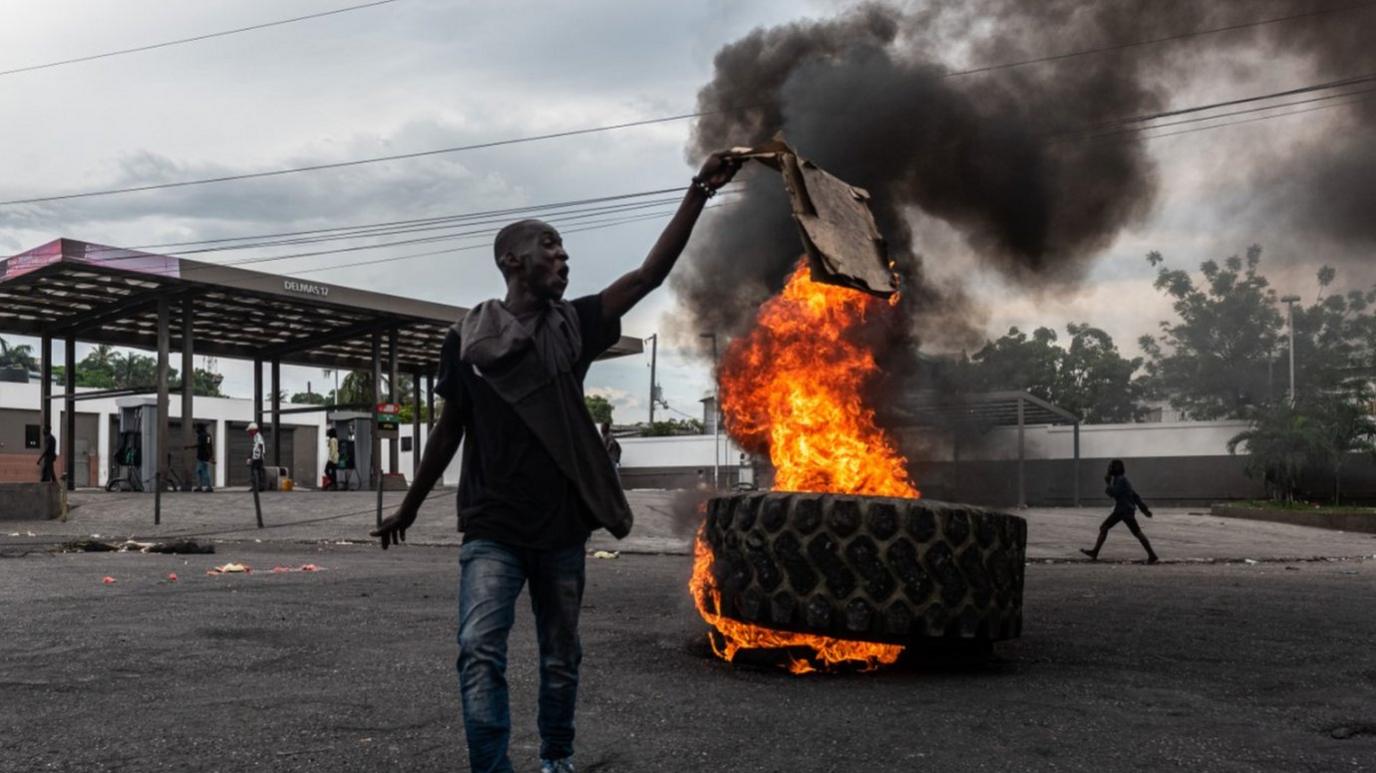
column 703, row 187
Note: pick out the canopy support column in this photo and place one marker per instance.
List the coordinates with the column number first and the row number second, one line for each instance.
column 188, row 454
column 393, row 395
column 69, row 411
column 415, row 425
column 258, row 393
column 161, row 446
column 276, row 403
column 375, row 471
column 45, row 390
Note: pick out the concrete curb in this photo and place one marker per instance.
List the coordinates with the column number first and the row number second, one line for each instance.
column 1362, row 521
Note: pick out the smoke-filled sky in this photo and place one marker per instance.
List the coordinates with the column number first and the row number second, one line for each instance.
column 1000, row 211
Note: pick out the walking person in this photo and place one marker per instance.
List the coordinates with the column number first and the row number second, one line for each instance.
column 332, row 459
column 258, row 477
column 536, row 478
column 1126, row 502
column 610, row 443
column 48, row 456
column 205, row 456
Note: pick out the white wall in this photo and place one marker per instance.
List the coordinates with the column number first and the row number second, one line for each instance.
column 1097, row 441
column 676, row 451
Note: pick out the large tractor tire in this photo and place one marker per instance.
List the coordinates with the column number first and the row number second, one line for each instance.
column 868, row 568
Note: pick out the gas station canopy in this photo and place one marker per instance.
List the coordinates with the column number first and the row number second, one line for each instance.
column 110, row 295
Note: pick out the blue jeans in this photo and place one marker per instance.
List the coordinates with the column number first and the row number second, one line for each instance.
column 203, row 474
column 491, row 576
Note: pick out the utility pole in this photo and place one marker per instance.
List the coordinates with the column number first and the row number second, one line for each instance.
column 1290, row 301
column 654, row 355
column 716, row 415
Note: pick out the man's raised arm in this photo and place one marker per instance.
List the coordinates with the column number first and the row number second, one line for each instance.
column 627, row 291
column 439, row 451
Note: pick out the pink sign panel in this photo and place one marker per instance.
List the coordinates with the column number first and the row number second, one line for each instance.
column 95, row 254
column 126, row 260
column 32, row 260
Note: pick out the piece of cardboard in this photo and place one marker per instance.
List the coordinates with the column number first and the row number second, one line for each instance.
column 839, row 234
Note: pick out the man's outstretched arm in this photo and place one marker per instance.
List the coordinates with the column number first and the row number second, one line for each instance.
column 627, row 291
column 439, row 451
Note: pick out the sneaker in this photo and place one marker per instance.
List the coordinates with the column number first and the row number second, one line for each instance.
column 1153, row 558
column 1092, row 555
column 557, row 766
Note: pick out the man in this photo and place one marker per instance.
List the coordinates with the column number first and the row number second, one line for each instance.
column 205, row 456
column 1125, row 505
column 536, row 478
column 258, row 477
column 48, row 456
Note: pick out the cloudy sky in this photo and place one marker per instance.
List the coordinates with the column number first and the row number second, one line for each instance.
column 415, row 75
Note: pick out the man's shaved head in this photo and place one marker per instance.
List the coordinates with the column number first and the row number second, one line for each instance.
column 513, row 238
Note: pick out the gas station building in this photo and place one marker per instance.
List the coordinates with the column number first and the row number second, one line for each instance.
column 68, row 291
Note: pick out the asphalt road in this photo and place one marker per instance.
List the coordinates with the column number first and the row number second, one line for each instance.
column 1200, row 667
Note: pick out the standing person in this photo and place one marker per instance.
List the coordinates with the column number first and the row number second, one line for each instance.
column 613, row 447
column 536, row 478
column 258, row 477
column 1125, row 505
column 332, row 459
column 48, row 456
column 205, row 456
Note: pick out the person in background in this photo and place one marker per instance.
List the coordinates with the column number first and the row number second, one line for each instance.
column 205, row 456
column 48, row 456
column 609, row 442
column 258, row 477
column 1125, row 505
column 332, row 459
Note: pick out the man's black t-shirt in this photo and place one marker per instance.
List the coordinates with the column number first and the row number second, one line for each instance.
column 510, row 488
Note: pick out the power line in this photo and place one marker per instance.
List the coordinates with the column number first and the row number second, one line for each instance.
column 1257, row 118
column 624, row 125
column 356, row 162
column 1154, row 41
column 1353, row 81
column 1198, row 119
column 567, row 215
column 166, row 44
column 483, row 245
column 459, row 216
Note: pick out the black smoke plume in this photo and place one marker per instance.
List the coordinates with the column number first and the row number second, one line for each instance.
column 1008, row 159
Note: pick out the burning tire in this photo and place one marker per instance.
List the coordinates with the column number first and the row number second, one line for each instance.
column 868, row 568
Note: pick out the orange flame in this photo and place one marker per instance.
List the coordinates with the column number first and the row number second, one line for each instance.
column 737, row 636
column 793, row 387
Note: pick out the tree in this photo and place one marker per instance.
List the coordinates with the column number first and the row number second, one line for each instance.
column 18, row 356
column 600, row 408
column 1280, row 443
column 309, row 398
column 205, row 383
column 1089, row 377
column 1342, row 426
column 671, row 427
column 1215, row 362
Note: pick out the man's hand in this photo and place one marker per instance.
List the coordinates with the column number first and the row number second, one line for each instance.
column 718, row 170
column 1146, row 512
column 393, row 528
